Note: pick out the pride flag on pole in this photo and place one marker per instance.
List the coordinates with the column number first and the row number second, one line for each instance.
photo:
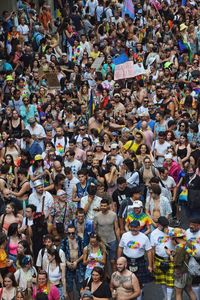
column 91, row 105
column 128, row 9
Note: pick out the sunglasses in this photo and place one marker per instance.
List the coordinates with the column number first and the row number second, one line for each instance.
column 71, row 233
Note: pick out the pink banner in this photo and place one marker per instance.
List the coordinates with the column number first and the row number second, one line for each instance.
column 128, row 70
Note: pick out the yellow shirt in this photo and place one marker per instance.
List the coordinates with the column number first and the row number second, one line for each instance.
column 131, row 146
column 94, row 55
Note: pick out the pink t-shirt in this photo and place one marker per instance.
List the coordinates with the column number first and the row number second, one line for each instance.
column 52, row 295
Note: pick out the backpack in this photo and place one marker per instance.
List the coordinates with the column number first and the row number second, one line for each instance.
column 66, row 140
column 35, row 42
column 103, row 16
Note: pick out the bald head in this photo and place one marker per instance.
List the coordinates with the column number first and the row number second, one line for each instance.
column 144, row 125
column 122, row 260
column 121, row 264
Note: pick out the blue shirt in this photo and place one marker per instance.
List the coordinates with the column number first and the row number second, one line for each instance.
column 34, row 149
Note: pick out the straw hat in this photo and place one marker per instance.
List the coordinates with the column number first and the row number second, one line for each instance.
column 183, row 27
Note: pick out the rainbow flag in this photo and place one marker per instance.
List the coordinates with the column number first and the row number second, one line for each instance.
column 185, row 47
column 128, row 9
column 91, row 105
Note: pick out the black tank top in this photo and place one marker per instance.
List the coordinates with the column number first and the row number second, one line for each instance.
column 182, row 153
column 16, row 131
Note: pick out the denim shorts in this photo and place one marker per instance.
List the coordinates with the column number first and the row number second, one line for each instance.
column 112, row 250
column 182, row 280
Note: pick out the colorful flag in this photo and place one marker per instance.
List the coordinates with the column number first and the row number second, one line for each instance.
column 120, row 59
column 185, row 47
column 128, row 9
column 91, row 104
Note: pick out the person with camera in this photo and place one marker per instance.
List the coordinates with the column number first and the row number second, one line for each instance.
column 91, row 202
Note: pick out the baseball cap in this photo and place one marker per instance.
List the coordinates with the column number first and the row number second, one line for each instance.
column 168, row 156
column 38, row 157
column 116, row 94
column 163, row 221
column 125, row 129
column 61, row 192
column 137, row 204
column 114, row 146
column 114, row 133
column 26, row 260
column 134, row 223
column 9, row 78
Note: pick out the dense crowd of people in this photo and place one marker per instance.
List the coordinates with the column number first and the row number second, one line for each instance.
column 100, row 176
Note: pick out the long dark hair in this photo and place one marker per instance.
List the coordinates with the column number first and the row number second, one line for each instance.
column 54, row 252
column 12, row 278
column 100, row 271
column 12, row 229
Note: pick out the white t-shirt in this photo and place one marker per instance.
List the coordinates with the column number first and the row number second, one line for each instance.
column 37, row 200
column 23, row 277
column 69, row 184
column 109, row 14
column 169, row 183
column 95, row 204
column 118, row 159
column 194, row 238
column 134, row 246
column 42, row 259
column 160, row 240
column 23, row 30
column 162, row 149
column 75, row 166
column 92, row 5
column 61, row 144
column 27, row 221
column 132, row 178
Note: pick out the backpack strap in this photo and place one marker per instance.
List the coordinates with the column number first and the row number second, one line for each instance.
column 131, row 144
column 43, row 200
column 42, row 256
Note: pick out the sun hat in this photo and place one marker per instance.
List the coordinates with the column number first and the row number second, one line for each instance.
column 177, row 233
column 183, row 26
column 38, row 183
